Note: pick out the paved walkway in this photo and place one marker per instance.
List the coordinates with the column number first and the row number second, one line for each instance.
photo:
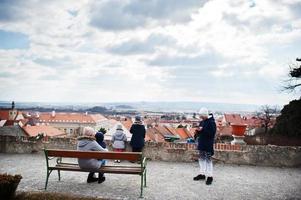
column 166, row 180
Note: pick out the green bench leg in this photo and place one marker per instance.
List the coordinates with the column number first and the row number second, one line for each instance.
column 145, row 178
column 141, row 189
column 48, row 174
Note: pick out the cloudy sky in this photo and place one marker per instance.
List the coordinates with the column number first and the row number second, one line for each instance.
column 234, row 51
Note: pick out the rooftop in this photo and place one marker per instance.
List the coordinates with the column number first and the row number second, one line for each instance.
column 70, row 117
column 165, row 180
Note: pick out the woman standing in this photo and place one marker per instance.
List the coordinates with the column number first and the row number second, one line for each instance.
column 138, row 134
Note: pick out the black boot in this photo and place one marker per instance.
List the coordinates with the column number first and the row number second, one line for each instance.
column 101, row 177
column 209, row 180
column 199, row 177
column 91, row 178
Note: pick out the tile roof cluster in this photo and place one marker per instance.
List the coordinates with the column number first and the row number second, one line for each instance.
column 70, row 118
column 4, row 114
column 233, row 118
column 46, row 130
column 127, row 123
column 4, row 118
column 158, row 133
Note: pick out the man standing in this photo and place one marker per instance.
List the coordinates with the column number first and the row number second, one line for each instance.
column 138, row 131
column 206, row 134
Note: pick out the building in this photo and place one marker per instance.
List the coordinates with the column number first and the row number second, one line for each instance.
column 72, row 123
column 46, row 131
column 10, row 116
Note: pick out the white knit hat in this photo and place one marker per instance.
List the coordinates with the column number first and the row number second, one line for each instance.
column 203, row 112
column 88, row 131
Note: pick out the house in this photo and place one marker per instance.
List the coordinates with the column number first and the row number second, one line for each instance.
column 153, row 134
column 46, row 131
column 71, row 123
column 10, row 116
column 229, row 119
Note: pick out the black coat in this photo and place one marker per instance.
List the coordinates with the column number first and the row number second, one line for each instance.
column 138, row 131
column 207, row 135
column 100, row 139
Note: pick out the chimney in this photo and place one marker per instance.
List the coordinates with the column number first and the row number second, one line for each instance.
column 53, row 113
column 13, row 105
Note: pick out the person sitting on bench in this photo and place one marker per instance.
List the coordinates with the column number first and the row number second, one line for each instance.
column 87, row 142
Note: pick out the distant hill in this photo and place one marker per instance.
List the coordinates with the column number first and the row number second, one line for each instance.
column 133, row 106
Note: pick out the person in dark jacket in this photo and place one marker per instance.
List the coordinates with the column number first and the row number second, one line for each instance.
column 100, row 139
column 206, row 135
column 87, row 143
column 138, row 134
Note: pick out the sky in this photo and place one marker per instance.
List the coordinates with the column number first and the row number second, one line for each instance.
column 134, row 50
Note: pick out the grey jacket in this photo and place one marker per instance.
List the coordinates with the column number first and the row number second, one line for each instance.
column 119, row 139
column 89, row 144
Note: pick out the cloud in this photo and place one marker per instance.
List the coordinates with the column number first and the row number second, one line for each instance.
column 203, row 60
column 124, row 15
column 148, row 45
column 12, row 10
column 148, row 50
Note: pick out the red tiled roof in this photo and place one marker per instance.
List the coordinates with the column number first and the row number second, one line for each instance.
column 233, row 118
column 97, row 117
column 48, row 130
column 70, row 117
column 127, row 123
column 4, row 114
column 9, row 122
column 182, row 133
column 154, row 135
column 172, row 130
column 162, row 130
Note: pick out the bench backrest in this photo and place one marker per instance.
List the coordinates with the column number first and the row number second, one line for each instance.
column 131, row 156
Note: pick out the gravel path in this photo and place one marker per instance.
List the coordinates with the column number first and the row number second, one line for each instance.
column 165, row 180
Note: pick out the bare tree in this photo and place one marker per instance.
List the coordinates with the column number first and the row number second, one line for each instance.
column 266, row 114
column 295, row 77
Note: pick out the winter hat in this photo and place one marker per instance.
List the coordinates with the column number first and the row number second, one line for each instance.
column 138, row 118
column 119, row 127
column 99, row 137
column 203, row 112
column 88, row 131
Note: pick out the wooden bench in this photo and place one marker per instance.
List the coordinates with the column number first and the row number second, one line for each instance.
column 138, row 169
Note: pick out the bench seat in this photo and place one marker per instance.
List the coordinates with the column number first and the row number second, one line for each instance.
column 134, row 169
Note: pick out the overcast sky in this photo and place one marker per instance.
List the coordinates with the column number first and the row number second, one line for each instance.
column 233, row 51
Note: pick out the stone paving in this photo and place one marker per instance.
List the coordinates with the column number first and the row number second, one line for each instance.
column 165, row 180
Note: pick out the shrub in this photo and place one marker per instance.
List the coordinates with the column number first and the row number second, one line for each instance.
column 288, row 123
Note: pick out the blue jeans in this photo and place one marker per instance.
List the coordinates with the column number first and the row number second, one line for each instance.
column 102, row 162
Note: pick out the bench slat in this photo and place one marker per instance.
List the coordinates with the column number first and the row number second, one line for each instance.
column 104, row 169
column 131, row 156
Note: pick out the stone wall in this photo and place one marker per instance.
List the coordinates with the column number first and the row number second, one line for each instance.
column 263, row 155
